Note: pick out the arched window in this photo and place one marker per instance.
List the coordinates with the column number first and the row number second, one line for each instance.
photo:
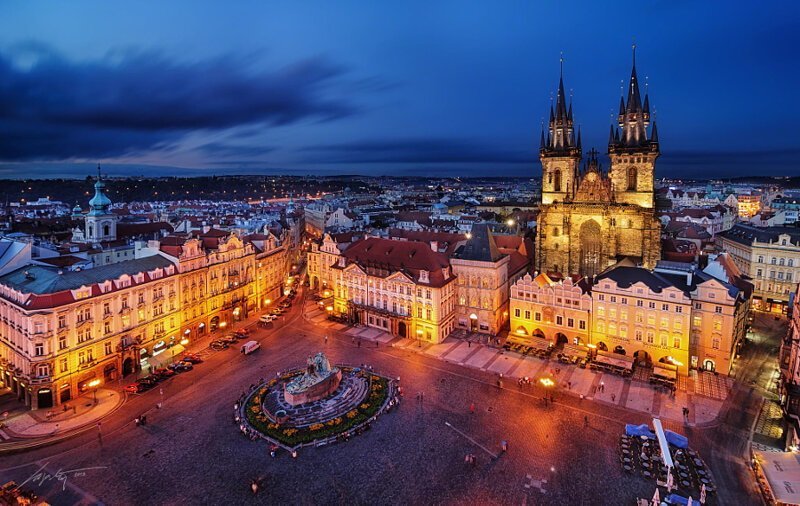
column 631, row 178
column 106, row 230
column 557, row 181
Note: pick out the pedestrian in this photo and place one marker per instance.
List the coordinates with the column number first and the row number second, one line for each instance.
column 613, row 398
column 326, row 339
column 359, row 343
column 377, row 343
column 469, row 343
column 585, row 421
column 66, row 407
column 504, row 445
column 354, row 339
column 569, row 385
column 472, row 408
column 602, row 386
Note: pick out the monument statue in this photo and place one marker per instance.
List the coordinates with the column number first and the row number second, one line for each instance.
column 319, row 380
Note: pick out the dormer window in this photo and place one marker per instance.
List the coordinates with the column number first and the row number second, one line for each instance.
column 423, row 276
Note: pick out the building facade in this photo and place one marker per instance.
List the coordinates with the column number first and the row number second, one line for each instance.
column 675, row 314
column 558, row 311
column 401, row 287
column 771, row 257
column 65, row 332
column 591, row 218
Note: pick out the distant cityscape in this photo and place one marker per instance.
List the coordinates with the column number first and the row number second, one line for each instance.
column 477, row 253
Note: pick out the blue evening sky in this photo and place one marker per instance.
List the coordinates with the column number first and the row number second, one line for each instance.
column 451, row 88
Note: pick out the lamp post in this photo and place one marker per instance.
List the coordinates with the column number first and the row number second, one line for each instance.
column 94, row 384
column 419, row 338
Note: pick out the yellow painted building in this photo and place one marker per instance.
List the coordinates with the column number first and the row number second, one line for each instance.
column 558, row 311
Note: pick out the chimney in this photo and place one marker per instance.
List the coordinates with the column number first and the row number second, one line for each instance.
column 689, row 278
column 435, row 246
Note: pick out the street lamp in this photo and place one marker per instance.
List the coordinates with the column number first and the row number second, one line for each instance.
column 93, row 385
column 419, row 338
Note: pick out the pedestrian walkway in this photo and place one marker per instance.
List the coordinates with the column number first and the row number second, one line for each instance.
column 703, row 394
column 593, row 385
column 79, row 413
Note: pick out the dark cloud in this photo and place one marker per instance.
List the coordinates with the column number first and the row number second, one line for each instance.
column 222, row 149
column 54, row 108
column 462, row 151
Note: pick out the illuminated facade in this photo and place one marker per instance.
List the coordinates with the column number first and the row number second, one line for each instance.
column 771, row 257
column 558, row 311
column 591, row 218
column 65, row 332
column 675, row 314
column 401, row 287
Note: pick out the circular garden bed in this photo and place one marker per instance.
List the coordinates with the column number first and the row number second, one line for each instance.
column 360, row 397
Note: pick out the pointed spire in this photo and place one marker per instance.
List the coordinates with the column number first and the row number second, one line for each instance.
column 611, row 135
column 541, row 139
column 654, row 133
column 616, row 135
column 646, row 106
column 621, row 107
column 579, row 137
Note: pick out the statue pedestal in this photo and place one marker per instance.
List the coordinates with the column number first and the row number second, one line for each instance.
column 314, row 392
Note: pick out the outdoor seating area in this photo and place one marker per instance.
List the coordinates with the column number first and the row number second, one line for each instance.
column 640, row 453
column 664, row 375
column 541, row 350
column 618, row 364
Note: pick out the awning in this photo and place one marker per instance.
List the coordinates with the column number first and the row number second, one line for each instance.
column 614, row 362
column 639, row 430
column 664, row 372
column 575, row 351
column 166, row 357
column 782, row 471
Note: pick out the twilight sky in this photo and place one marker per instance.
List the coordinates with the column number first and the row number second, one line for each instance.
column 415, row 88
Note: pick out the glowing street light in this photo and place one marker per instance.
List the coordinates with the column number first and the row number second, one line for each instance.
column 510, row 222
column 93, row 385
column 547, row 382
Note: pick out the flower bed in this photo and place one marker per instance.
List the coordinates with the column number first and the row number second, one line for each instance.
column 293, row 436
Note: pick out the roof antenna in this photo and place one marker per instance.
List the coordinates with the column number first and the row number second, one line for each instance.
column 98, row 172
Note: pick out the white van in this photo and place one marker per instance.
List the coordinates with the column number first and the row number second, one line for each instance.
column 249, row 347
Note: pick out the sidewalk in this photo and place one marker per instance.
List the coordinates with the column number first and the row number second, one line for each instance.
column 703, row 393
column 82, row 411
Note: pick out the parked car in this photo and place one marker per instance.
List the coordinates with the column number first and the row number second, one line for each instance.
column 241, row 333
column 146, row 383
column 181, row 366
column 218, row 345
column 230, row 338
column 192, row 358
column 135, row 388
column 163, row 373
column 267, row 318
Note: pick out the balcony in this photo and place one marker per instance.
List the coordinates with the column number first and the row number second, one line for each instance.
column 81, row 323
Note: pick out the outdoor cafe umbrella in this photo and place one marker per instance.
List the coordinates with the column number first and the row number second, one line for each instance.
column 670, row 480
column 689, row 501
column 703, row 494
column 656, row 498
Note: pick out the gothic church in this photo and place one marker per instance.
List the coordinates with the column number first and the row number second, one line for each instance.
column 591, row 218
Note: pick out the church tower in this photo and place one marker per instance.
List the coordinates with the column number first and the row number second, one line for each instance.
column 101, row 223
column 559, row 151
column 633, row 154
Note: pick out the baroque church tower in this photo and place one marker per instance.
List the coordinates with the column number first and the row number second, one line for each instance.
column 590, row 219
column 101, row 223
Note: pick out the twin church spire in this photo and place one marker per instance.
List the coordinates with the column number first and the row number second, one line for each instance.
column 631, row 133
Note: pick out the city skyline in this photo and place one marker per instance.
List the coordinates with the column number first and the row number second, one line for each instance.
column 452, row 91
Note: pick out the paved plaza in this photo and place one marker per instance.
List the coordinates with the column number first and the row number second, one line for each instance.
column 191, row 451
